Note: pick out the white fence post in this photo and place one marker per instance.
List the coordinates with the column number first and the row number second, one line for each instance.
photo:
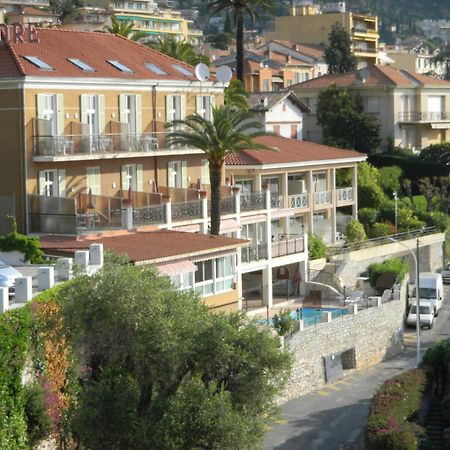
column 81, row 260
column 64, row 268
column 46, row 278
column 96, row 254
column 23, row 289
column 4, row 299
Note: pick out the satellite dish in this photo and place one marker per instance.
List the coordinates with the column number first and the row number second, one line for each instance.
column 202, row 72
column 224, row 74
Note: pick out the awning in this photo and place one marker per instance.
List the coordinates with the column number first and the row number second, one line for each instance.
column 253, row 219
column 176, row 267
column 195, row 228
column 440, row 126
column 287, row 212
column 229, row 225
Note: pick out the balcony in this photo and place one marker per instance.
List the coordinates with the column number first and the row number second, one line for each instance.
column 298, row 201
column 424, row 117
column 282, row 247
column 323, row 198
column 344, row 196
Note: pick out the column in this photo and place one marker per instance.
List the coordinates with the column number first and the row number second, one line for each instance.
column 266, row 191
column 355, row 192
column 310, row 188
column 258, row 183
column 204, row 200
column 333, row 206
column 285, row 189
column 236, row 191
column 238, row 272
column 167, row 202
column 267, row 287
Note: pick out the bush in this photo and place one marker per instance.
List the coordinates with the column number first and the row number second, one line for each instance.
column 407, row 220
column 436, row 153
column 316, row 247
column 390, row 179
column 368, row 216
column 355, row 232
column 370, row 193
column 395, row 406
column 283, row 322
column 381, row 229
column 39, row 424
column 394, row 266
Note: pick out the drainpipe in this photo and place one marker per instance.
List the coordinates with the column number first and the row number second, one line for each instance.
column 24, row 162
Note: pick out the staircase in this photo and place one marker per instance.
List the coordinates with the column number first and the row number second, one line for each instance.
column 326, row 276
column 435, row 425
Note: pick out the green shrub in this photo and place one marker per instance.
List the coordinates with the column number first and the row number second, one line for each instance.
column 39, row 424
column 355, row 232
column 390, row 179
column 381, row 229
column 394, row 266
column 370, row 193
column 393, row 411
column 316, row 247
column 437, row 219
column 407, row 220
column 283, row 322
column 368, row 216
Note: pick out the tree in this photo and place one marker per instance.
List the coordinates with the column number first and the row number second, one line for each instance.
column 180, row 50
column 240, row 8
column 219, row 40
column 124, row 28
column 436, row 153
column 236, row 96
column 159, row 371
column 390, row 179
column 343, row 122
column 355, row 232
column 231, row 130
column 427, row 188
column 338, row 53
column 64, row 8
column 370, row 194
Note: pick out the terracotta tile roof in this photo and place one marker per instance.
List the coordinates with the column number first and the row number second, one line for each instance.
column 311, row 50
column 290, row 151
column 257, row 100
column 161, row 245
column 30, row 10
column 375, row 76
column 56, row 45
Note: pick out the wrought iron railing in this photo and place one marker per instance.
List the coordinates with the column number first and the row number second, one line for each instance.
column 150, row 215
column 188, row 210
column 253, row 201
column 227, row 205
column 416, row 116
column 298, row 201
column 276, row 200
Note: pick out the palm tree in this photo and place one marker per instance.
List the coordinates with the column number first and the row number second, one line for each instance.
column 124, row 28
column 181, row 50
column 235, row 95
column 240, row 8
column 231, row 130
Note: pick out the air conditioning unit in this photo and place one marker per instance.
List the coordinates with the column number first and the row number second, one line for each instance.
column 302, row 186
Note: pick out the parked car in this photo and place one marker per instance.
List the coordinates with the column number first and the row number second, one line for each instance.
column 431, row 289
column 8, row 276
column 426, row 315
column 446, row 273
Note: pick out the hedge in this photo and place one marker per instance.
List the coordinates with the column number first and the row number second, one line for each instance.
column 394, row 266
column 394, row 409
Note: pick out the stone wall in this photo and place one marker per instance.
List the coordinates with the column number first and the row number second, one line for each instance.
column 375, row 334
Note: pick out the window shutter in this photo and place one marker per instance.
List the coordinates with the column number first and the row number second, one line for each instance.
column 123, row 177
column 139, row 178
column 60, row 114
column 84, row 106
column 101, row 113
column 182, row 107
column 199, row 105
column 184, row 174
column 170, row 181
column 169, row 108
column 61, row 183
column 40, row 102
column 122, row 107
column 138, row 114
column 205, row 171
column 42, row 182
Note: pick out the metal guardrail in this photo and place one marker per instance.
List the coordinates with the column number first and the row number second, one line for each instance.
column 253, row 201
column 416, row 116
column 381, row 240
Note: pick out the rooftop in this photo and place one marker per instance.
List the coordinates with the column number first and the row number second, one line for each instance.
column 265, row 101
column 55, row 46
column 374, row 76
column 290, row 151
column 154, row 246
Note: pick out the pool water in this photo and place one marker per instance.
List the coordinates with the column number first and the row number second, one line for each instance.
column 311, row 316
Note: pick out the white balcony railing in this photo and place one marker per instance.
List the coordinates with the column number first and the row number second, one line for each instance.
column 298, row 201
column 344, row 195
column 322, row 198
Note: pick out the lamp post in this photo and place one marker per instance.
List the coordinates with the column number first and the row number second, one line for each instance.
column 395, row 209
column 416, row 262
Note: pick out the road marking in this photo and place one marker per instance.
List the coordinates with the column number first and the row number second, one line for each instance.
column 343, row 382
column 280, row 421
column 321, row 393
column 334, row 388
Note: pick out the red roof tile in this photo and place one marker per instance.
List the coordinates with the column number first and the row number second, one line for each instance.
column 290, row 151
column 149, row 246
column 376, row 76
column 56, row 45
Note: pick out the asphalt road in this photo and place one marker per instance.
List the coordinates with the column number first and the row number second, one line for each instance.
column 334, row 417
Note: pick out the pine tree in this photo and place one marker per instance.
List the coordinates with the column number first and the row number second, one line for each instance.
column 338, row 53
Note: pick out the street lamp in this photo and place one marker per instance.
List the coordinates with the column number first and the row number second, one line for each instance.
column 416, row 262
column 395, row 208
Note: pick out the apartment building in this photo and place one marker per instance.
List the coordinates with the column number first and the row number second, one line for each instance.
column 311, row 24
column 145, row 14
column 85, row 113
column 413, row 109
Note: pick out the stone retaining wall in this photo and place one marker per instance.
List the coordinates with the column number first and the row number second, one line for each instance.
column 375, row 334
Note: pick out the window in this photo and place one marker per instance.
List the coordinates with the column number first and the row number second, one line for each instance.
column 120, row 66
column 255, row 232
column 130, row 113
column 183, row 70
column 93, row 180
column 204, row 104
column 132, row 176
column 183, row 281
column 294, row 132
column 205, row 172
column 47, row 111
column 155, row 69
column 266, row 85
column 38, row 63
column 311, row 103
column 373, row 104
column 214, row 276
column 174, row 107
column 245, row 185
column 224, row 274
column 320, row 181
column 176, row 174
column 81, row 65
column 52, row 183
column 204, row 277
column 273, row 182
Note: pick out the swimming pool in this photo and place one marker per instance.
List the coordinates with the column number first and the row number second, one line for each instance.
column 312, row 316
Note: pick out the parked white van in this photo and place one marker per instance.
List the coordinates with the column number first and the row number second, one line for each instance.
column 426, row 317
column 431, row 290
